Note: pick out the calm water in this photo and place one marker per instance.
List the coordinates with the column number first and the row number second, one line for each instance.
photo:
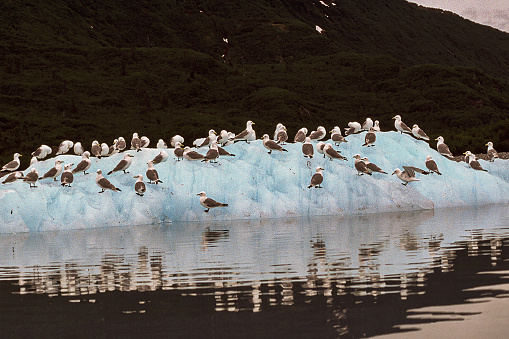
column 322, row 277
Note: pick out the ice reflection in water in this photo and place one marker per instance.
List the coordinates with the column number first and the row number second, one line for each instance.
column 250, row 265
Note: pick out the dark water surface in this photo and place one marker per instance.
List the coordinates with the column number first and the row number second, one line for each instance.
column 321, row 277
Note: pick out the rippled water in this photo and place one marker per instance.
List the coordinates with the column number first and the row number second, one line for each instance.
column 316, row 277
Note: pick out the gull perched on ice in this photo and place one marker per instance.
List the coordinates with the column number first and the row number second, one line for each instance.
column 442, row 148
column 473, row 162
column 84, row 165
column 113, row 148
column 78, row 148
column 96, row 149
column 209, row 203
column 152, row 174
column 408, row 174
column 360, row 165
column 282, row 136
column 67, row 177
column 432, row 165
column 336, row 136
column 161, row 157
column 331, row 153
column 279, row 127
column 31, row 177
column 42, row 152
column 248, row 134
column 372, row 167
column 400, row 125
column 319, row 134
column 271, row 145
column 368, row 123
column 300, row 136
column 161, row 144
column 492, row 154
column 13, row 177
column 353, row 127
column 139, row 186
column 419, row 133
column 376, row 127
column 123, row 164
column 206, row 141
column 105, row 149
column 178, row 151
column 136, row 142
column 144, row 142
column 370, row 138
column 317, row 178
column 54, row 172
column 223, row 152
column 191, row 155
column 223, row 137
column 121, row 144
column 212, row 153
column 104, row 183
column 176, row 138
column 64, row 147
column 320, row 148
column 12, row 165
column 307, row 148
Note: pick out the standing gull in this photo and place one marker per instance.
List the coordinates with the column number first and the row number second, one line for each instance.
column 336, row 136
column 212, row 153
column 370, row 138
column 67, row 177
column 419, row 133
column 360, row 165
column 307, row 148
column 432, row 165
column 367, row 124
column 64, row 147
column 353, row 128
column 492, row 154
column 96, row 149
column 223, row 137
column 178, row 151
column 443, row 149
column 320, row 148
column 33, row 161
column 136, row 142
column 42, row 152
column 12, row 165
column 78, row 148
column 191, row 155
column 13, row 177
column 123, row 164
column 84, row 165
column 104, row 183
column 161, row 144
column 317, row 178
column 282, row 136
column 32, row 177
column 113, row 148
column 271, row 145
column 331, row 153
column 206, row 141
column 139, row 186
column 53, row 172
column 279, row 127
column 248, row 134
column 319, row 134
column 400, row 125
column 144, row 142
column 372, row 167
column 473, row 162
column 376, row 127
column 152, row 174
column 209, row 203
column 105, row 149
column 176, row 138
column 161, row 157
column 300, row 136
column 121, row 144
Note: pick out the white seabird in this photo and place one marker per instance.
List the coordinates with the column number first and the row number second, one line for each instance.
column 376, row 126
column 271, row 145
column 136, row 142
column 353, row 128
column 300, row 136
column 279, row 127
column 139, row 185
column 368, row 123
column 113, row 148
column 372, row 167
column 176, row 138
column 473, row 162
column 331, row 153
column 223, row 137
column 31, row 177
column 105, row 149
column 408, row 174
column 161, row 144
column 212, row 153
column 443, row 149
column 152, row 174
column 121, row 144
column 317, row 178
column 54, row 172
column 370, row 138
column 432, row 165
column 104, row 183
column 336, row 136
column 202, row 142
column 78, row 148
column 84, row 165
column 491, row 153
column 96, row 149
column 319, row 134
column 209, row 203
column 67, row 177
column 12, row 165
column 360, row 165
column 64, row 147
column 161, row 157
column 191, row 155
column 282, row 136
column 145, row 141
column 320, row 147
column 13, row 177
column 178, row 151
column 248, row 134
column 400, row 125
column 123, row 164
column 307, row 148
column 42, row 152
column 33, row 161
column 419, row 133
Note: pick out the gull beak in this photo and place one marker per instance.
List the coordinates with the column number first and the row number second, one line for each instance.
column 394, row 118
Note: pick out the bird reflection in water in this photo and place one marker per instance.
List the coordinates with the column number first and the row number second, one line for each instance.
column 210, row 238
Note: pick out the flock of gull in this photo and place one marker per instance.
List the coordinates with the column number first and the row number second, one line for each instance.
column 216, row 147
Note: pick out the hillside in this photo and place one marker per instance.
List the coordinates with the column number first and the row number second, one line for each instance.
column 89, row 70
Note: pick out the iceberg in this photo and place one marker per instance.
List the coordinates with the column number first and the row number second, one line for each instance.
column 254, row 184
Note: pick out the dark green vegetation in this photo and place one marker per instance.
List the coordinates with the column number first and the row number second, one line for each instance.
column 85, row 70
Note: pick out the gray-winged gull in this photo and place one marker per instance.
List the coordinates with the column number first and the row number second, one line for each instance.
column 96, row 149
column 248, row 134
column 317, row 178
column 139, row 185
column 319, row 134
column 307, row 148
column 370, row 138
column 54, row 172
column 271, row 145
column 13, row 177
column 152, row 174
column 368, row 123
column 78, row 148
column 300, row 136
column 473, row 162
column 432, row 165
column 31, row 177
column 320, row 148
column 419, row 133
column 123, row 164
column 331, row 153
column 145, row 142
column 178, row 151
column 491, row 153
column 64, row 147
column 12, row 165
column 372, row 167
column 209, row 203
column 443, row 149
column 191, row 155
column 161, row 144
column 176, row 138
column 400, row 125
column 353, row 128
column 408, row 174
column 336, row 136
column 121, row 144
column 84, row 165
column 104, row 183
column 212, row 153
column 67, row 177
column 136, row 142
column 161, row 157
column 360, row 165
